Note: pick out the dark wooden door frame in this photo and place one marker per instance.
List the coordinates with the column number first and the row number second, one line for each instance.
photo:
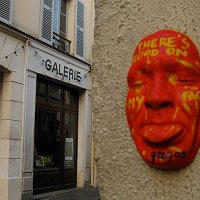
column 62, row 108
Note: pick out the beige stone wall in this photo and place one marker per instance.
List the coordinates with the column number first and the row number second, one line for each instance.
column 11, row 116
column 119, row 25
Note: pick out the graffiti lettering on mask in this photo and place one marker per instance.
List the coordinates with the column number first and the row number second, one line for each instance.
column 167, row 155
column 167, row 42
column 191, row 95
column 150, row 48
column 135, row 102
column 154, row 52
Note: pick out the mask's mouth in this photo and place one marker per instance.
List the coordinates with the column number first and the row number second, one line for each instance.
column 160, row 133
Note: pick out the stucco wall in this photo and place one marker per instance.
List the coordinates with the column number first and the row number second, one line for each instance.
column 119, row 25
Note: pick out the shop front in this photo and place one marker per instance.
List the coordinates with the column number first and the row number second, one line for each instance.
column 57, row 128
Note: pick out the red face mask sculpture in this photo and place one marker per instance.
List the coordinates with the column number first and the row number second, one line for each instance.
column 163, row 101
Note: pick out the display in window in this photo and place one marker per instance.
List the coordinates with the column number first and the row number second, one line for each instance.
column 69, row 153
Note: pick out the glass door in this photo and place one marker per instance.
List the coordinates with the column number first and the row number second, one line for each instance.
column 55, row 152
column 47, row 151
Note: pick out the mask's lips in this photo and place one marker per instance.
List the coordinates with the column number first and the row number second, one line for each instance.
column 160, row 133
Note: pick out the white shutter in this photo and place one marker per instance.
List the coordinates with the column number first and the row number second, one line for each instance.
column 80, row 25
column 6, row 11
column 46, row 33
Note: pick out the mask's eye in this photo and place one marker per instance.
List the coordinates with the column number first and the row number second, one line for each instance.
column 187, row 76
column 136, row 83
column 182, row 77
column 186, row 80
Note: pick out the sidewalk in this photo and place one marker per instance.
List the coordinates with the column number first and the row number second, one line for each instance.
column 87, row 193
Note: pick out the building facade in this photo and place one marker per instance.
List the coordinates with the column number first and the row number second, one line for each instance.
column 45, row 96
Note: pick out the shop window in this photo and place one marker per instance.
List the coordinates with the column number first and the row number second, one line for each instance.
column 41, row 89
column 47, row 138
column 55, row 93
column 68, row 97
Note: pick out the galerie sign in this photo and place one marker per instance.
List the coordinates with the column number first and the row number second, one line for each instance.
column 63, row 70
column 163, row 101
column 57, row 66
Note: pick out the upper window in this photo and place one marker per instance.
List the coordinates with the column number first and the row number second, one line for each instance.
column 6, row 11
column 54, row 24
column 60, row 16
column 60, row 26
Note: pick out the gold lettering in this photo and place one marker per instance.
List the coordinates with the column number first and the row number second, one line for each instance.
column 139, row 100
column 180, row 52
column 154, row 52
column 187, row 44
column 191, row 96
column 147, row 52
column 154, row 43
column 139, row 46
column 185, row 95
column 163, row 42
column 171, row 42
column 146, row 44
column 198, row 95
column 134, row 59
column 170, row 51
column 131, row 102
column 140, row 55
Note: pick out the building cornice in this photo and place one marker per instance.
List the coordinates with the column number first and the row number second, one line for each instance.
column 12, row 31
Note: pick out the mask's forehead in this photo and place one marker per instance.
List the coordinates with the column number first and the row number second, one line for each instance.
column 163, row 44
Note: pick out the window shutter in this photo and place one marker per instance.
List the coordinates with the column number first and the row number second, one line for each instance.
column 6, row 11
column 47, row 21
column 79, row 44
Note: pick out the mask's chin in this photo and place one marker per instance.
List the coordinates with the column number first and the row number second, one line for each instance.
column 170, row 153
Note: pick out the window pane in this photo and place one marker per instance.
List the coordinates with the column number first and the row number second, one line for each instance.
column 70, row 128
column 56, row 18
column 74, row 101
column 55, row 93
column 63, row 24
column 63, row 6
column 73, row 125
column 41, row 89
column 63, row 15
column 68, row 97
column 47, row 138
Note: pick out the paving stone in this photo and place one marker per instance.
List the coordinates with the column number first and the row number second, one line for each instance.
column 88, row 193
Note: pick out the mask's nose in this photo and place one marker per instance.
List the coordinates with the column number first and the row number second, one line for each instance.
column 158, row 94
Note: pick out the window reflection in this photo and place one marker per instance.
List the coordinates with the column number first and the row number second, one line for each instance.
column 47, row 138
column 55, row 93
column 41, row 89
column 69, row 140
column 67, row 97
